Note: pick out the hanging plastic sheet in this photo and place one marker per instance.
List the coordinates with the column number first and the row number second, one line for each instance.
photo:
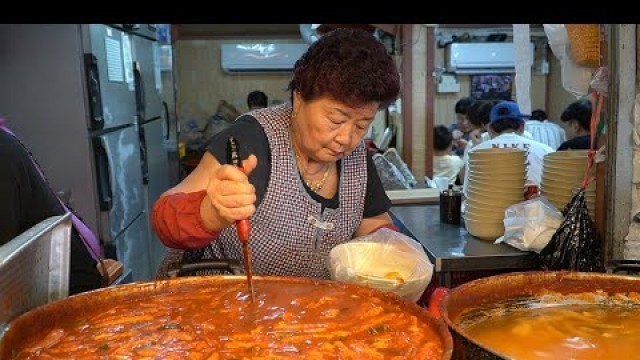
column 524, row 61
column 575, row 78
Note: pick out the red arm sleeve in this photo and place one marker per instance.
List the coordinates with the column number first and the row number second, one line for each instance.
column 388, row 226
column 176, row 219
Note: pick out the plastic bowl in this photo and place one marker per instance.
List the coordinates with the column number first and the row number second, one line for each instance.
column 504, row 192
column 562, row 182
column 502, row 154
column 479, row 204
column 496, row 175
column 381, row 266
column 503, row 203
column 484, row 210
column 555, row 174
column 493, row 184
column 502, row 164
column 484, row 230
column 500, row 151
column 483, row 216
column 567, row 154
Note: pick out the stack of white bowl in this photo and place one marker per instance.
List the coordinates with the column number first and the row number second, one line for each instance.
column 562, row 175
column 496, row 181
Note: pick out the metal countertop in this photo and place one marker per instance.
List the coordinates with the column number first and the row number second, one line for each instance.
column 451, row 247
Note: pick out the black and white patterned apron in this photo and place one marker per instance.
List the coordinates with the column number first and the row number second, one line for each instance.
column 290, row 233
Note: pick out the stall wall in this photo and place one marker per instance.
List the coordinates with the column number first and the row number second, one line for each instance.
column 201, row 83
column 418, row 100
column 445, row 102
column 558, row 97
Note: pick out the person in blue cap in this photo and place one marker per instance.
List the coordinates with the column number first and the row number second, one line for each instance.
column 506, row 125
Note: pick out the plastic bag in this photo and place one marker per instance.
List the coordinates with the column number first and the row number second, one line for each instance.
column 392, row 155
column 191, row 135
column 215, row 124
column 576, row 245
column 390, row 176
column 529, row 225
column 385, row 260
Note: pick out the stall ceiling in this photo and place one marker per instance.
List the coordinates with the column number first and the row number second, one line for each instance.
column 193, row 31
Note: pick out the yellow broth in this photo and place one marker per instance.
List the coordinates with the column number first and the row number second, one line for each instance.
column 568, row 331
column 292, row 321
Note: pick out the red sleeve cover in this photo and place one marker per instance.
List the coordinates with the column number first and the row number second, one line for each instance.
column 388, row 226
column 176, row 219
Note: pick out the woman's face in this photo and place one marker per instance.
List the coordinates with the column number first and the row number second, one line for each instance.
column 463, row 123
column 328, row 130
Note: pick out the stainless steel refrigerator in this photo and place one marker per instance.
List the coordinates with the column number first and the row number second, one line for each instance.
column 69, row 92
column 155, row 119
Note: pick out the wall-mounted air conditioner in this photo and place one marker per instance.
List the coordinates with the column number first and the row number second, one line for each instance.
column 482, row 58
column 264, row 57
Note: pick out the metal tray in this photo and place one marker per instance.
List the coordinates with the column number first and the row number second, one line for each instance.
column 34, row 268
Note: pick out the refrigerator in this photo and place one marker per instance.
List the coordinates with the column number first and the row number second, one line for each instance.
column 168, row 95
column 154, row 117
column 72, row 93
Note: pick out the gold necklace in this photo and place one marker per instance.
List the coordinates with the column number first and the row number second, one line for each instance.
column 320, row 184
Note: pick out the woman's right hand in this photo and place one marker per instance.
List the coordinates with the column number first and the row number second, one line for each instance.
column 230, row 195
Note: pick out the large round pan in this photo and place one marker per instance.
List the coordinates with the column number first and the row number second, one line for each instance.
column 493, row 289
column 36, row 322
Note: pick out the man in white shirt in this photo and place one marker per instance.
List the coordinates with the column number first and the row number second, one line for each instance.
column 545, row 131
column 505, row 128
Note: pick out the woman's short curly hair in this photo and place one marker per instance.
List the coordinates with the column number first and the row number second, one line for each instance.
column 349, row 65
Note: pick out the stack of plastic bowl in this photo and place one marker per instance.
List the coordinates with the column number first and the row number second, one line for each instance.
column 496, row 181
column 562, row 175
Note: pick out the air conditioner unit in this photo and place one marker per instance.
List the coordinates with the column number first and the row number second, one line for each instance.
column 482, row 58
column 252, row 58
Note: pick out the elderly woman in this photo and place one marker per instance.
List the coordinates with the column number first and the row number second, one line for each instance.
column 307, row 182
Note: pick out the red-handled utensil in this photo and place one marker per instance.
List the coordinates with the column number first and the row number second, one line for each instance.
column 242, row 226
column 436, row 298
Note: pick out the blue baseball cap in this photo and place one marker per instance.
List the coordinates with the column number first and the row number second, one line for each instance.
column 506, row 110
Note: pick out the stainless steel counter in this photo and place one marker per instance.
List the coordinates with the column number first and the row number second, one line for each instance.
column 451, row 248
